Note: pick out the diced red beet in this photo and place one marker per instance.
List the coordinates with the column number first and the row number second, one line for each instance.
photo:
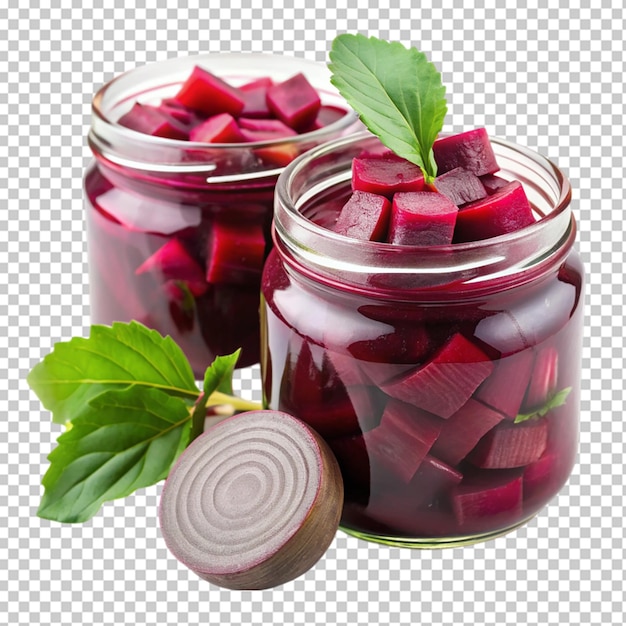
column 544, row 378
column 263, row 81
column 403, row 438
column 488, row 495
column 540, row 475
column 385, row 175
column 461, row 432
column 209, row 94
column 447, row 381
column 421, row 218
column 365, row 216
column 275, row 129
column 327, row 114
column 173, row 262
column 235, row 252
column 181, row 114
column 255, row 98
column 471, row 150
column 220, row 128
column 511, row 445
column 347, row 368
column 150, row 121
column 505, row 387
column 460, row 185
column 404, row 344
column 492, row 183
column 294, row 101
column 433, row 477
column 504, row 211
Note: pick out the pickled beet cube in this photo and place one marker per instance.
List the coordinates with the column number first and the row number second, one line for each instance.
column 504, row 211
column 506, row 386
column 539, row 476
column 402, row 439
column 254, row 96
column 463, row 430
column 446, row 382
column 220, row 128
column 544, row 378
column 150, row 121
column 471, row 150
column 172, row 261
column 365, row 216
column 235, row 252
column 491, row 183
column 421, row 218
column 433, row 477
column 511, row 445
column 294, row 101
column 460, row 185
column 488, row 496
column 386, row 175
column 209, row 94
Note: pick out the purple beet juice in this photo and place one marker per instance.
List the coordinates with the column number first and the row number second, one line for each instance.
column 445, row 379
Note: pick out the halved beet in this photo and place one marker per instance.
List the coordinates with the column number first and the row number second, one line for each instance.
column 150, row 121
column 386, row 175
column 447, row 381
column 209, row 94
column 504, row 211
column 172, row 261
column 421, row 218
column 365, row 216
column 403, row 438
column 460, row 185
column 492, row 183
column 235, row 252
column 505, row 387
column 461, row 432
column 220, row 128
column 294, row 101
column 544, row 378
column 471, row 150
column 511, row 445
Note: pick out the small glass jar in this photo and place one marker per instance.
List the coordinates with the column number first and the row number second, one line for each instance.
column 143, row 192
column 445, row 379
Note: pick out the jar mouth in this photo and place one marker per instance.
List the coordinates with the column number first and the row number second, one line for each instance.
column 152, row 82
column 337, row 257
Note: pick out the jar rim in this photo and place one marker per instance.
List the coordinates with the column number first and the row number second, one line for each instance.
column 319, row 250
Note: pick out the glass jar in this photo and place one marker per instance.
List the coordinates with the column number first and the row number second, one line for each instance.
column 143, row 192
column 445, row 379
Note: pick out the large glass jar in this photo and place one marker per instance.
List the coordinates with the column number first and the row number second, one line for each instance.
column 446, row 380
column 144, row 192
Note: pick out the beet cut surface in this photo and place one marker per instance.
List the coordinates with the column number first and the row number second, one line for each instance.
column 294, row 101
column 470, row 150
column 365, row 216
column 386, row 175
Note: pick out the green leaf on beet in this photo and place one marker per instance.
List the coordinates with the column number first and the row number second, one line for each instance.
column 112, row 357
column 558, row 399
column 121, row 441
column 397, row 93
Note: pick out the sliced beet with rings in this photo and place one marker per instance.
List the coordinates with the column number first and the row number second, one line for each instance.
column 294, row 101
column 220, row 128
column 365, row 216
column 151, row 121
column 444, row 384
column 422, row 218
column 460, row 185
column 471, row 150
column 386, row 175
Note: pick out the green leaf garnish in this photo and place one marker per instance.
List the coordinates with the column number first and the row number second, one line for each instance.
column 397, row 93
column 558, row 399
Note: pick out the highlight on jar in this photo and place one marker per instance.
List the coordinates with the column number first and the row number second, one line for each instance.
column 430, row 332
column 180, row 192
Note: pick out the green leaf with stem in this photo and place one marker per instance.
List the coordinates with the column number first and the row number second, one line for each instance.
column 558, row 399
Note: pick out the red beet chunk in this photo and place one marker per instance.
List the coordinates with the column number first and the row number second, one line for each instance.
column 544, row 379
column 471, row 150
column 385, row 175
column 433, row 477
column 209, row 94
column 421, row 218
column 490, row 496
column 492, row 183
column 447, row 381
column 365, row 216
column 505, row 211
column 461, row 432
column 221, row 128
column 255, row 98
column 504, row 389
column 405, row 344
column 327, row 115
column 150, row 121
column 511, row 445
column 275, row 129
column 402, row 440
column 460, row 185
column 172, row 261
column 263, row 81
column 235, row 253
column 294, row 101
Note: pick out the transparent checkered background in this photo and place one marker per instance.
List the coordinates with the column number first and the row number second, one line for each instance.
column 552, row 79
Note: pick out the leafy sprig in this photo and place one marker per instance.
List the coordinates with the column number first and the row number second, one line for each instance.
column 557, row 400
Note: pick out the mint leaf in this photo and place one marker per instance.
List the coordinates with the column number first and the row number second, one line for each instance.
column 558, row 399
column 113, row 357
column 396, row 91
column 121, row 441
